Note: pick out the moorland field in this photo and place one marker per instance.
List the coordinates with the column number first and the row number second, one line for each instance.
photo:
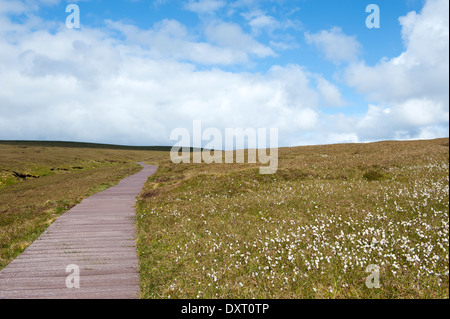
column 226, row 231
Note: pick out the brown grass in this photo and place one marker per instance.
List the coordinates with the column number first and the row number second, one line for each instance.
column 49, row 180
column 308, row 231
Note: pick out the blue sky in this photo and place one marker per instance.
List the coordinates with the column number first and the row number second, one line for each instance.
column 138, row 69
column 302, row 15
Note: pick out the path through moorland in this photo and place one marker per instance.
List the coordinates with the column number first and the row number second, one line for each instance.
column 95, row 239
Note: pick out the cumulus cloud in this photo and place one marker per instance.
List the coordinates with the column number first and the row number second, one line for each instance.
column 263, row 21
column 12, row 7
column 230, row 35
column 90, row 85
column 411, row 90
column 335, row 44
column 330, row 93
column 407, row 94
column 421, row 70
column 85, row 85
column 205, row 6
column 227, row 43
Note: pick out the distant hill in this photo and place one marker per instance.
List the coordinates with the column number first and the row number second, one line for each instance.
column 86, row 145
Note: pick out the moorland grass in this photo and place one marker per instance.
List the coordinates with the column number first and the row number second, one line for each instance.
column 308, row 231
column 39, row 181
column 225, row 231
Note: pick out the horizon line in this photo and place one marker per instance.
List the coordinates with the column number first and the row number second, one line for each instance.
column 197, row 148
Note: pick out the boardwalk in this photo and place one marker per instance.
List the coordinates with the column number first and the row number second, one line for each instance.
column 97, row 236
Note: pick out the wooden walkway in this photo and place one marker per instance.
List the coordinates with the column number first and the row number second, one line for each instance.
column 97, row 236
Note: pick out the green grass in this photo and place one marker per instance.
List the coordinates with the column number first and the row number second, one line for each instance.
column 225, row 231
column 309, row 231
column 55, row 177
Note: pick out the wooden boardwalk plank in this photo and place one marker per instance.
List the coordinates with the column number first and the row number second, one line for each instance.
column 97, row 235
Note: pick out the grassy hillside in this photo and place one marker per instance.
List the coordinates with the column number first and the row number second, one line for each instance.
column 41, row 180
column 309, row 231
column 225, row 231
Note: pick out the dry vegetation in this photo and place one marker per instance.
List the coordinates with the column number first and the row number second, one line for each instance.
column 41, row 181
column 309, row 231
column 225, row 231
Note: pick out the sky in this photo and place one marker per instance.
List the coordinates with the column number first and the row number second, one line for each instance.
column 136, row 70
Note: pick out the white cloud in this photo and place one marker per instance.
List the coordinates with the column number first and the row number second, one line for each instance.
column 227, row 43
column 335, row 45
column 205, row 6
column 330, row 93
column 413, row 87
column 26, row 6
column 230, row 35
column 12, row 7
column 263, row 21
column 259, row 21
column 421, row 70
column 84, row 85
column 419, row 112
column 89, row 86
